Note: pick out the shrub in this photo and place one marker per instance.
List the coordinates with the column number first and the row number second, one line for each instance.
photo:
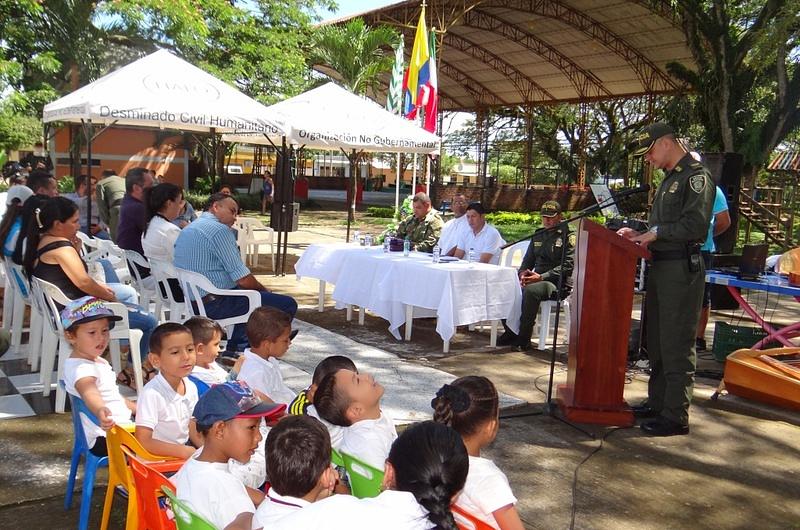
column 513, row 218
column 380, row 211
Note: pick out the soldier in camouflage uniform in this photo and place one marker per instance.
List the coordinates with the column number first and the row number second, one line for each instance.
column 423, row 227
column 678, row 226
column 539, row 274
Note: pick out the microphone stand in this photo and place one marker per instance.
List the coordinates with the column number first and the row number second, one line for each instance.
column 550, row 408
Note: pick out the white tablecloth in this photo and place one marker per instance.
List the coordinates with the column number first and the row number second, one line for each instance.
column 457, row 293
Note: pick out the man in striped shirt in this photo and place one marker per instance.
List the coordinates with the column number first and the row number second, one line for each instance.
column 208, row 247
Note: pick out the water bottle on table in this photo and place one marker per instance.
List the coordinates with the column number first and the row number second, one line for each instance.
column 406, row 247
column 386, row 239
column 437, row 253
column 368, row 240
column 471, row 255
column 356, row 237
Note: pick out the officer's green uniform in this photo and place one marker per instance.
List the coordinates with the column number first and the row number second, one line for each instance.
column 110, row 192
column 681, row 214
column 423, row 234
column 544, row 258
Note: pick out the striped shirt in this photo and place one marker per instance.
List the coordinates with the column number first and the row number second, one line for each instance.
column 299, row 405
column 208, row 247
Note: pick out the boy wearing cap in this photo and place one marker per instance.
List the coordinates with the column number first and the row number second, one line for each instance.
column 679, row 223
column 540, row 273
column 87, row 322
column 228, row 415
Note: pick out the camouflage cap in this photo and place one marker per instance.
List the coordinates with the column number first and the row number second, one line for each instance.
column 551, row 209
column 646, row 139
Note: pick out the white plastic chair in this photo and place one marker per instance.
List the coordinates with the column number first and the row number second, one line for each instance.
column 162, row 272
column 252, row 234
column 147, row 289
column 8, row 296
column 195, row 286
column 23, row 296
column 546, row 309
column 95, row 249
column 52, row 296
column 508, row 255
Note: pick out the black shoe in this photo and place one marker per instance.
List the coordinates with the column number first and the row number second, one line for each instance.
column 662, row 426
column 507, row 339
column 700, row 344
column 524, row 346
column 644, row 410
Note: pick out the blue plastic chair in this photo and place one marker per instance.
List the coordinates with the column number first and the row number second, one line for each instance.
column 81, row 449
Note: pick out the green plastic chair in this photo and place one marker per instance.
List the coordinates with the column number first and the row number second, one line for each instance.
column 185, row 518
column 336, row 458
column 365, row 480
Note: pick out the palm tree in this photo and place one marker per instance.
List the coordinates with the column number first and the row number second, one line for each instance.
column 354, row 54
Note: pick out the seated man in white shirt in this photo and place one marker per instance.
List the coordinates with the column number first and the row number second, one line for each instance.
column 482, row 237
column 455, row 227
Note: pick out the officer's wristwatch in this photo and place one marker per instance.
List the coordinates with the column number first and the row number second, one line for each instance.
column 654, row 230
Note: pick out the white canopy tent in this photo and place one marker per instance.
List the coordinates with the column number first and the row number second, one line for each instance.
column 165, row 92
column 331, row 117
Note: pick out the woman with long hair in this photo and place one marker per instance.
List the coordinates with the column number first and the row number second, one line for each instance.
column 11, row 224
column 51, row 254
column 163, row 204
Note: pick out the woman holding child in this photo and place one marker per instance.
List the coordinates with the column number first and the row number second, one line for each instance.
column 51, row 254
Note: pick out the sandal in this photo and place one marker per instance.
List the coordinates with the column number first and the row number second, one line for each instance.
column 125, row 377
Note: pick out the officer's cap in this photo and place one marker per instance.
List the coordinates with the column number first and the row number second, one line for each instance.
column 646, row 139
column 551, row 209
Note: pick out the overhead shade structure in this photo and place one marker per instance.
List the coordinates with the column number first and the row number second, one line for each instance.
column 164, row 91
column 331, row 117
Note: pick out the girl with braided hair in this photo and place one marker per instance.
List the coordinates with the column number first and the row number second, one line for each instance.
column 470, row 405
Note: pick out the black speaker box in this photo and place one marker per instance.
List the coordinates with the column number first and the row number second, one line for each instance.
column 726, row 171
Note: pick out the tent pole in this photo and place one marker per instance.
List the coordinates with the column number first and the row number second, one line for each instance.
column 428, row 175
column 88, row 131
column 397, row 183
column 414, row 178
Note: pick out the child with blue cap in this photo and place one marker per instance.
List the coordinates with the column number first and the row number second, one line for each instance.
column 228, row 416
column 87, row 324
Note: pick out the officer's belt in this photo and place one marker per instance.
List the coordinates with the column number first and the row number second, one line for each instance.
column 668, row 255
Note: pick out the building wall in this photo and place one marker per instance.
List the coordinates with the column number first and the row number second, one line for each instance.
column 122, row 148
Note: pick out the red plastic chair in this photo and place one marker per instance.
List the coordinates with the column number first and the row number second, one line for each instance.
column 467, row 521
column 150, row 499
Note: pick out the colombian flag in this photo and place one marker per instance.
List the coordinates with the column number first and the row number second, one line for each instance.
column 418, row 73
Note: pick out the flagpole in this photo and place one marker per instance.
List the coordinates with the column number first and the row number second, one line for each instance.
column 428, row 174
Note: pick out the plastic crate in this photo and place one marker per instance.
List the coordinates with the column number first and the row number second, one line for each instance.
column 728, row 339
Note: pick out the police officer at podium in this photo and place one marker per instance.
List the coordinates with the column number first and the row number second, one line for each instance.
column 679, row 221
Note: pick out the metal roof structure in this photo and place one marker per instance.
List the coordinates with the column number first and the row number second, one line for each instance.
column 507, row 53
column 785, row 161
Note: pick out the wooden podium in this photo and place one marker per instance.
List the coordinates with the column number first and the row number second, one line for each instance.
column 601, row 304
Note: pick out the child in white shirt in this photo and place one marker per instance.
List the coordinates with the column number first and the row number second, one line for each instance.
column 164, row 413
column 269, row 331
column 303, row 403
column 470, row 405
column 353, row 400
column 207, row 335
column 87, row 322
column 299, row 467
column 227, row 416
column 426, row 468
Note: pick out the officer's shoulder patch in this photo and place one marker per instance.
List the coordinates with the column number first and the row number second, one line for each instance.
column 697, row 182
column 572, row 239
column 558, row 243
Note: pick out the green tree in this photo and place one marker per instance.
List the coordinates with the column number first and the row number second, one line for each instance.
column 747, row 80
column 355, row 54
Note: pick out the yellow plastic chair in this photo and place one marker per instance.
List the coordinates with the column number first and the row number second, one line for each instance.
column 119, row 475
